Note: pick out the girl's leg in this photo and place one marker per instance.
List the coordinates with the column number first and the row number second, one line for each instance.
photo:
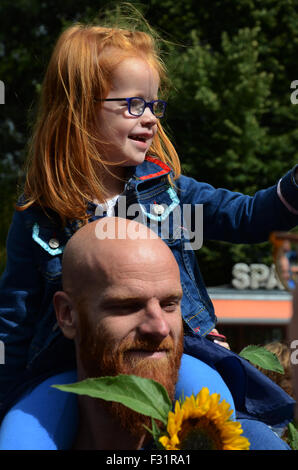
column 44, row 419
column 261, row 436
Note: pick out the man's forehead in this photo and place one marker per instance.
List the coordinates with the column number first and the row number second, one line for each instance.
column 134, row 276
column 125, row 285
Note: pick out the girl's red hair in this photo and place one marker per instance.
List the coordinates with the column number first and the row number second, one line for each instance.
column 64, row 154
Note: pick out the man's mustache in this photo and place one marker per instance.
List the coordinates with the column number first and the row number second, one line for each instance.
column 166, row 345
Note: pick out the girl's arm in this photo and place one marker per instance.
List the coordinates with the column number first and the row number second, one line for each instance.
column 237, row 218
column 20, row 296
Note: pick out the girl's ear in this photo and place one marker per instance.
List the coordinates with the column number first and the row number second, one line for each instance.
column 65, row 313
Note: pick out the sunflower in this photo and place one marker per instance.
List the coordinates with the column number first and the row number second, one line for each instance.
column 202, row 423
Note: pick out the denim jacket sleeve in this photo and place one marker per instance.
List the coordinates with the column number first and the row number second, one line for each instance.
column 20, row 294
column 234, row 217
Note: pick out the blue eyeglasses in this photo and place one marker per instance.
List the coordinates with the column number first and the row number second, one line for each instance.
column 136, row 106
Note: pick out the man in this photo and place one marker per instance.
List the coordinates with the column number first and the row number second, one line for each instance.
column 121, row 305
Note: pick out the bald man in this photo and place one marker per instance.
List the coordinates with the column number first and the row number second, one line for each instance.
column 121, row 305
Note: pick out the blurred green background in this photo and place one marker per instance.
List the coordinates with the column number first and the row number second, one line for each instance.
column 230, row 115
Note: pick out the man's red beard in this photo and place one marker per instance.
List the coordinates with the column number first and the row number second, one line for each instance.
column 100, row 356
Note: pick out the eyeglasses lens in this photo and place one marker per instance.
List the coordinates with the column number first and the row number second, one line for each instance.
column 137, row 107
column 158, row 108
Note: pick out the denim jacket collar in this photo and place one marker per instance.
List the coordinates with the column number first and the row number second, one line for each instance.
column 151, row 169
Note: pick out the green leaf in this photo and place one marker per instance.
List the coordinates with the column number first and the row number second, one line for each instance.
column 261, row 357
column 293, row 436
column 156, row 434
column 144, row 396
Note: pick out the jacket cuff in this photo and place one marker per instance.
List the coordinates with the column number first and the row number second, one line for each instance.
column 287, row 190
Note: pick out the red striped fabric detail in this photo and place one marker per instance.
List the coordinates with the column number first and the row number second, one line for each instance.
column 166, row 168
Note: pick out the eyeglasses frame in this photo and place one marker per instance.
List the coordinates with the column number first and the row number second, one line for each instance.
column 148, row 104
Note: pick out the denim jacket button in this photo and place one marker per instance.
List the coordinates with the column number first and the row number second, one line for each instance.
column 158, row 209
column 54, row 243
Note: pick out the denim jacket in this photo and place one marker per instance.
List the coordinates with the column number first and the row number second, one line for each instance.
column 33, row 342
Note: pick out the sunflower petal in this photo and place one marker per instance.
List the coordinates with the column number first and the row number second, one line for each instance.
column 204, row 413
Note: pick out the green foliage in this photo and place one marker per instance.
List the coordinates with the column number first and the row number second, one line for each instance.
column 144, row 396
column 230, row 115
column 293, row 436
column 156, row 434
column 261, row 357
column 228, row 90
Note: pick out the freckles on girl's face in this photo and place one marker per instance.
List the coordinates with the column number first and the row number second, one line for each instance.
column 126, row 138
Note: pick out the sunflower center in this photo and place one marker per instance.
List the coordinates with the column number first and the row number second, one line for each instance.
column 199, row 434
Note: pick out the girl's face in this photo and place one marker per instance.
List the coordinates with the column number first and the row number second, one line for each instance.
column 127, row 138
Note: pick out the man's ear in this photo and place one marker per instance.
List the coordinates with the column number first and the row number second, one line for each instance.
column 65, row 313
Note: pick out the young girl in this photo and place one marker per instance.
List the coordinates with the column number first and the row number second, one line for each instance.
column 99, row 135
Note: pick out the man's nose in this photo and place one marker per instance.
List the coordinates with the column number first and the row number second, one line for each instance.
column 154, row 322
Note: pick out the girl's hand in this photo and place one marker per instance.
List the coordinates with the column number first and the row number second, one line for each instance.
column 220, row 341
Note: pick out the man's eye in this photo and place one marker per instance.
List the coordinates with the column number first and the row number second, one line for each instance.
column 127, row 308
column 170, row 306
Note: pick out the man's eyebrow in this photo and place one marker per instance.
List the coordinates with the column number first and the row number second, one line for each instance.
column 174, row 296
column 113, row 299
column 118, row 299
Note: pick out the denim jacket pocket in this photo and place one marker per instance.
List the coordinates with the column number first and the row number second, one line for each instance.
column 157, row 206
column 160, row 211
column 50, row 247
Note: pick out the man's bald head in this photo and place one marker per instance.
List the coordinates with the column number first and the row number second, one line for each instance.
column 121, row 304
column 99, row 249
